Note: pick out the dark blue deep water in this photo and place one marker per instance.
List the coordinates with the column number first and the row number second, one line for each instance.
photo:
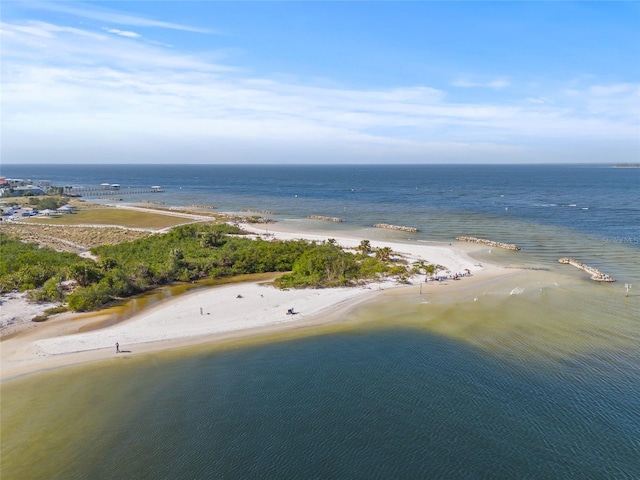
column 593, row 199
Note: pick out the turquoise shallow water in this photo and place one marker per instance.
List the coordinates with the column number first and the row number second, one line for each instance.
column 534, row 377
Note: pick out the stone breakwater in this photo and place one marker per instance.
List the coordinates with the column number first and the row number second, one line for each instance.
column 596, row 274
column 397, row 227
column 262, row 212
column 326, row 219
column 489, row 243
column 202, row 206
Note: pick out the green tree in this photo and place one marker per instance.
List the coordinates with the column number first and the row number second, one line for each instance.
column 85, row 273
column 384, row 254
column 51, row 291
column 325, row 265
column 89, row 298
column 365, row 247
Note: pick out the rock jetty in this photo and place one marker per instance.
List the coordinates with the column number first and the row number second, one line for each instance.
column 326, row 219
column 489, row 243
column 262, row 212
column 596, row 274
column 202, row 206
column 397, row 227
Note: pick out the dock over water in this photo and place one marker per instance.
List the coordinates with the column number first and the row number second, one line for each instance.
column 102, row 191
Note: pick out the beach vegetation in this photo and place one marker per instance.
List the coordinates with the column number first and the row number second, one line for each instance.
column 90, row 298
column 186, row 253
column 365, row 247
column 384, row 254
column 56, row 310
column 25, row 266
column 51, row 291
column 422, row 267
column 47, row 202
column 84, row 272
column 328, row 265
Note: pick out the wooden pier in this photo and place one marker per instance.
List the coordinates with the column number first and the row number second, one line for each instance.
column 596, row 274
column 101, row 191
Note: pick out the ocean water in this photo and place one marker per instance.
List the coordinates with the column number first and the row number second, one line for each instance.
column 534, row 376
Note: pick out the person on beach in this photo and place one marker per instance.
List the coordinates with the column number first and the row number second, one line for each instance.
column 117, row 347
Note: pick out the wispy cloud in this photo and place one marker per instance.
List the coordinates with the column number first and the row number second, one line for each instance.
column 49, row 45
column 615, row 89
column 497, row 83
column 113, row 94
column 122, row 33
column 45, row 30
column 110, row 16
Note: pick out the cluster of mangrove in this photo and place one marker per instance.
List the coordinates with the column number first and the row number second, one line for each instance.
column 186, row 253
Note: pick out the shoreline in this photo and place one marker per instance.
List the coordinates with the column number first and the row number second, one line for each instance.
column 216, row 314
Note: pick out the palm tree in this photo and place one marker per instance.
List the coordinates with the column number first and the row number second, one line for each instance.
column 364, row 247
column 384, row 254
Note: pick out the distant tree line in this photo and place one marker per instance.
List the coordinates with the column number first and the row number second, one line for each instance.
column 50, row 202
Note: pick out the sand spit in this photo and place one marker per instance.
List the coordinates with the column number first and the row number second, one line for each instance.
column 232, row 310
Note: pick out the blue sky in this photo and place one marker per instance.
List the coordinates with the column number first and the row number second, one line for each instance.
column 320, row 82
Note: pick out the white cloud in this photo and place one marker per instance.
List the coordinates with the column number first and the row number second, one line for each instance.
column 110, row 16
column 497, row 83
column 62, row 46
column 539, row 100
column 111, row 95
column 612, row 90
column 122, row 33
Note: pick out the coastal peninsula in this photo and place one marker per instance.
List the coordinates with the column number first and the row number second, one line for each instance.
column 234, row 310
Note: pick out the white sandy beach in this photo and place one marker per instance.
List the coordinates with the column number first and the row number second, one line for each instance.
column 207, row 315
column 16, row 312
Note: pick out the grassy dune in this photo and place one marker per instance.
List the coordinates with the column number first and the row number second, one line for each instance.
column 114, row 216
